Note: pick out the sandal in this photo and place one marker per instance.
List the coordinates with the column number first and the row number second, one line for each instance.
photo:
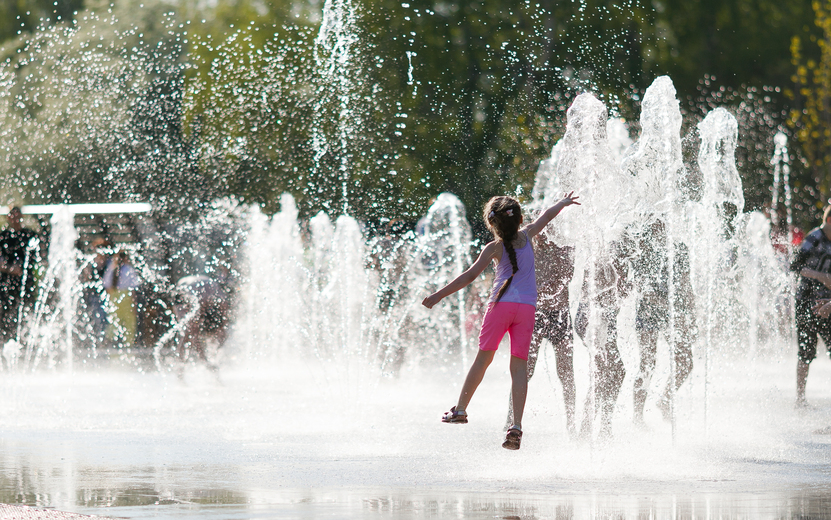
column 512, row 438
column 455, row 417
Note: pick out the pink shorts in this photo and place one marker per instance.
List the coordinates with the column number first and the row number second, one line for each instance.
column 515, row 318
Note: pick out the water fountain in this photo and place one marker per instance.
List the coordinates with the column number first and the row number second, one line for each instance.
column 334, row 377
column 781, row 183
column 737, row 279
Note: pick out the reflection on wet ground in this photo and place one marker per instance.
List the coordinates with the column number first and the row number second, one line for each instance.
column 123, row 498
column 364, row 503
column 277, row 443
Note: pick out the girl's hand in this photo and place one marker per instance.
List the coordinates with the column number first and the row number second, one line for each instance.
column 430, row 301
column 546, row 216
column 570, row 199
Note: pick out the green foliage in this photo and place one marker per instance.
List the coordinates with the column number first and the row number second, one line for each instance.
column 25, row 16
column 249, row 109
column 73, row 128
column 759, row 116
column 810, row 115
column 392, row 103
column 93, row 110
column 737, row 43
column 485, row 85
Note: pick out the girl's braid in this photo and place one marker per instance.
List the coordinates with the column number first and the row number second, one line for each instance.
column 503, row 216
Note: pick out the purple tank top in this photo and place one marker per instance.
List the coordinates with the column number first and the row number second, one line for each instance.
column 523, row 288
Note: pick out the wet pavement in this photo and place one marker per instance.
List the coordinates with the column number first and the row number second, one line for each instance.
column 296, row 442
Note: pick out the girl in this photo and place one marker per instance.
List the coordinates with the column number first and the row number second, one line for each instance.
column 511, row 306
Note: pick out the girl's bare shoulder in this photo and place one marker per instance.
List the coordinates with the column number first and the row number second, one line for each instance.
column 491, row 249
column 492, row 245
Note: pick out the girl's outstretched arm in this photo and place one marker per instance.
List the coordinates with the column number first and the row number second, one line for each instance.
column 546, row 216
column 467, row 277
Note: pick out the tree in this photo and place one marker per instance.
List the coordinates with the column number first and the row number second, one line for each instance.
column 77, row 96
column 25, row 16
column 736, row 43
column 388, row 105
column 483, row 87
column 811, row 116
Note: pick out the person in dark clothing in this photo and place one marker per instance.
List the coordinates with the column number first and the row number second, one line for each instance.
column 389, row 255
column 93, row 292
column 605, row 285
column 813, row 263
column 202, row 305
column 652, row 276
column 17, row 259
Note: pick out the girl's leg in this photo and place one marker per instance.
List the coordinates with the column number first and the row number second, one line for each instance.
column 521, row 331
column 536, row 343
column 474, row 377
column 534, row 352
column 519, row 387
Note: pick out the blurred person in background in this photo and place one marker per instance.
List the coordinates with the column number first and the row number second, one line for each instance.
column 92, row 277
column 202, row 306
column 17, row 282
column 605, row 285
column 813, row 263
column 651, row 268
column 120, row 281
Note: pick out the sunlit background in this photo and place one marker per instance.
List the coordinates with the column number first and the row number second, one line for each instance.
column 326, row 165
